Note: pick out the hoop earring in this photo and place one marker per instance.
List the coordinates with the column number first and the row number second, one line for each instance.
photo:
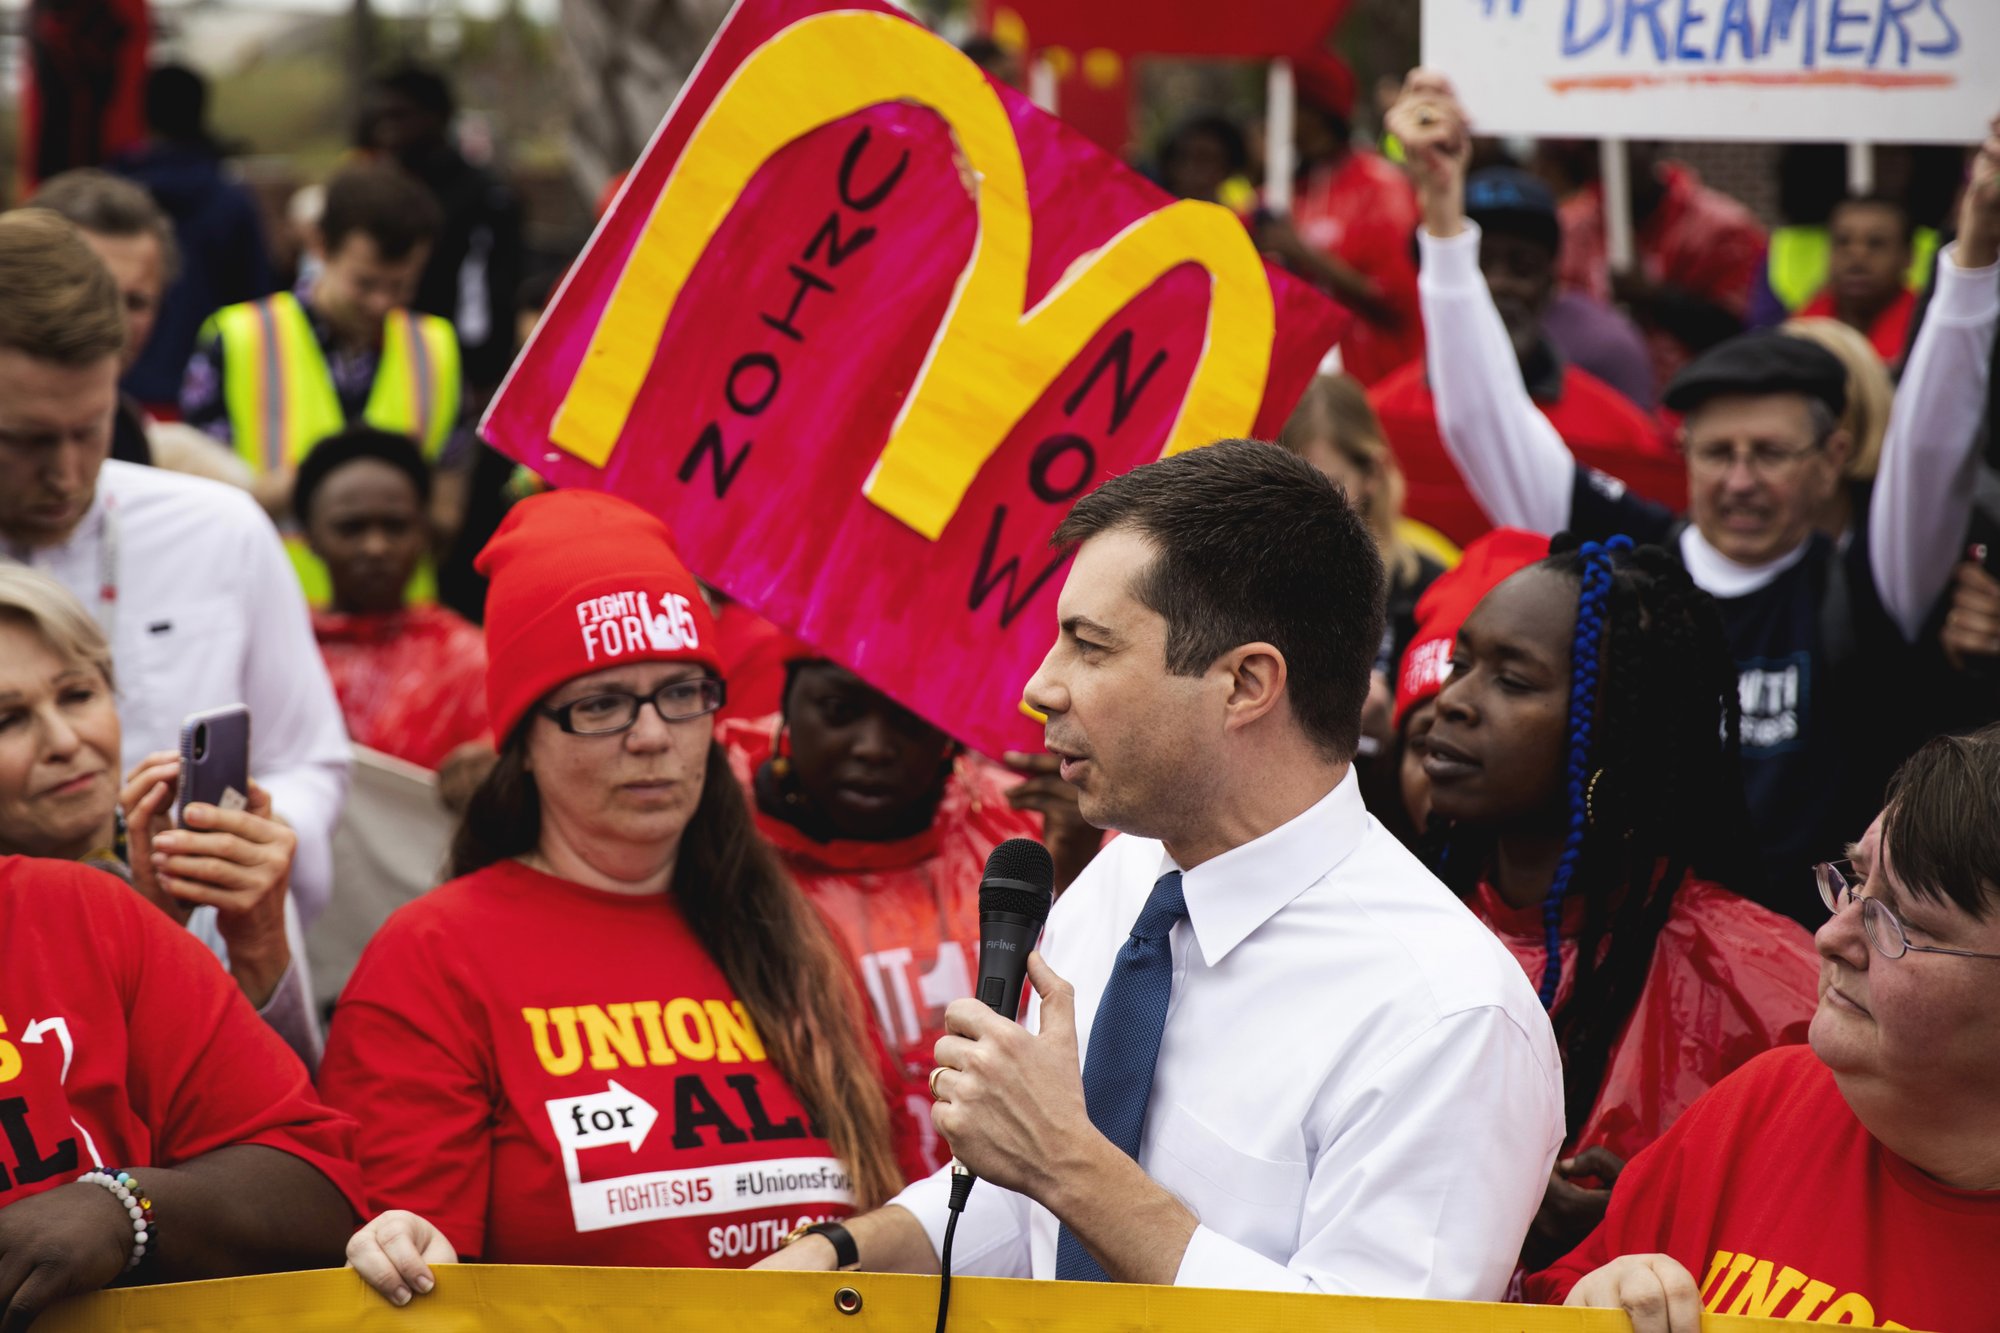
column 1590, row 799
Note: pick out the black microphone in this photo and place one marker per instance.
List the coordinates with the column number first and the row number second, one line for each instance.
column 1015, row 893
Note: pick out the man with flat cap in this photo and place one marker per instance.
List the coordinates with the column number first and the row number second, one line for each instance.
column 1819, row 628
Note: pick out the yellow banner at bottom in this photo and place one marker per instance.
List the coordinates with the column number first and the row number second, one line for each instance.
column 501, row 1299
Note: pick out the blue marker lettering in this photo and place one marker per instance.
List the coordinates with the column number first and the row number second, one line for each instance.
column 1836, row 19
column 1574, row 47
column 1892, row 14
column 1690, row 19
column 1948, row 46
column 1736, row 20
column 1650, row 10
column 1778, row 25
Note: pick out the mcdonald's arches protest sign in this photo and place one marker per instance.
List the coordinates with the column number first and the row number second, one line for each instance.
column 1886, row 71
column 863, row 324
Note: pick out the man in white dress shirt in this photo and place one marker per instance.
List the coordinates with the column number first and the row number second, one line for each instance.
column 1315, row 1070
column 186, row 576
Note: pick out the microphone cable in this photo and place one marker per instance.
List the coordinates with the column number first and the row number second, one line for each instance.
column 961, row 1190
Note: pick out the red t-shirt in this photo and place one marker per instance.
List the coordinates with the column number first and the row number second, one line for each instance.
column 1772, row 1194
column 1599, row 424
column 1889, row 334
column 412, row 683
column 123, row 1044
column 1729, row 980
column 1363, row 211
column 553, row 1074
column 907, row 912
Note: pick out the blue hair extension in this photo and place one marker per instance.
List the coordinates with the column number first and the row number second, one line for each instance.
column 1586, row 654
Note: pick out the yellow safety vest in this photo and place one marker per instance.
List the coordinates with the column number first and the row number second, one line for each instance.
column 1800, row 257
column 281, row 402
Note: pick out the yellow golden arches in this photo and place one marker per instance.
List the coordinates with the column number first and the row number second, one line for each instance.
column 992, row 358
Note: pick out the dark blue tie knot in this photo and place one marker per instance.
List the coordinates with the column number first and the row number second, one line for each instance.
column 1163, row 908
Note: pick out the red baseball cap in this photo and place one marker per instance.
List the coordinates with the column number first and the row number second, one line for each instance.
column 1487, row 563
column 582, row 581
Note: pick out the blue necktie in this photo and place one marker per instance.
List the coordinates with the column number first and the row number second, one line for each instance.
column 1125, row 1044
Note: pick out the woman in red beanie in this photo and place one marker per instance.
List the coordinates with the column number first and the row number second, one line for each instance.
column 620, row 1035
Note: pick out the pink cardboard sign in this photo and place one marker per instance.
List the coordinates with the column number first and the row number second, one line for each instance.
column 861, row 327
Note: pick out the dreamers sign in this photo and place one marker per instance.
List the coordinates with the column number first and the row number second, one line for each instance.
column 1886, row 71
column 863, row 325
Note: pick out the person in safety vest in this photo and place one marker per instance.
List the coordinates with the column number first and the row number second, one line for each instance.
column 272, row 378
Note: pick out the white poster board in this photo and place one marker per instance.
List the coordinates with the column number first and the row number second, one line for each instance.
column 1883, row 71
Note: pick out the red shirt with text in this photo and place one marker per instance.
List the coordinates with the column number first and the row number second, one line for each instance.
column 124, row 1044
column 554, row 1074
column 1781, row 1204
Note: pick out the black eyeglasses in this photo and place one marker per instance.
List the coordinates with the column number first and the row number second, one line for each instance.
column 615, row 711
column 1839, row 886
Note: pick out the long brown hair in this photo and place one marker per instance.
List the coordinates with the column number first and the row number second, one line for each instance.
column 772, row 946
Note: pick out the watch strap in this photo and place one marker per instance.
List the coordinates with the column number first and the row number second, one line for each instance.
column 845, row 1252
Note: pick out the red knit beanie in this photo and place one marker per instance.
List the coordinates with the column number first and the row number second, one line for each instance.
column 1326, row 81
column 582, row 581
column 1486, row 564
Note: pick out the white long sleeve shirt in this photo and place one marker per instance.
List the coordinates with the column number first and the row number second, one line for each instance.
column 1523, row 475
column 202, row 608
column 1357, row 1090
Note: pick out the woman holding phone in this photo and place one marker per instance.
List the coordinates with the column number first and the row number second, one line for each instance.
column 224, row 876
column 620, row 1035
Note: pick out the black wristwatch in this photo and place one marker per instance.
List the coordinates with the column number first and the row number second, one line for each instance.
column 845, row 1253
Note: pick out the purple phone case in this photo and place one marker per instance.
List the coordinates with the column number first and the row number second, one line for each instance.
column 224, row 763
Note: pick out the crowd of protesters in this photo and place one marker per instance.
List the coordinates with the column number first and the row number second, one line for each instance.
column 1651, row 614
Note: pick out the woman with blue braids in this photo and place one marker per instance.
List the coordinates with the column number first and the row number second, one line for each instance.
column 1587, row 804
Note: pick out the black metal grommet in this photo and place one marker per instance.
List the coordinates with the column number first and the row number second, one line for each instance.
column 847, row 1300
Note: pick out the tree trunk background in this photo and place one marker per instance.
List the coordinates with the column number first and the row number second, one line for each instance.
column 623, row 62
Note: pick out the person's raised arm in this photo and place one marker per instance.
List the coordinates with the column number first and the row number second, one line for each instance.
column 1513, row 461
column 1923, row 489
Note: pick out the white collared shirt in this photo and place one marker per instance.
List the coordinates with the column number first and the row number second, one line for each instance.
column 207, row 612
column 1357, row 1090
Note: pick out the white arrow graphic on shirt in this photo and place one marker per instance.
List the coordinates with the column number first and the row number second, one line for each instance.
column 616, row 1115
column 61, row 1028
column 32, row 1035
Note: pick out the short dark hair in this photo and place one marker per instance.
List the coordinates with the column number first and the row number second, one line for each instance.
column 1905, row 227
column 381, row 202
column 349, row 446
column 177, row 104
column 1212, row 125
column 1941, row 822
column 421, row 86
column 1254, row 546
column 107, row 205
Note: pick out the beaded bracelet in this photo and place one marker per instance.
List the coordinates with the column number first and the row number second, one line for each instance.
column 137, row 1206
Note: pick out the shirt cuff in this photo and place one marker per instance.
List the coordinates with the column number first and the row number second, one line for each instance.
column 1213, row 1260
column 1451, row 262
column 289, row 1014
column 1964, row 295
